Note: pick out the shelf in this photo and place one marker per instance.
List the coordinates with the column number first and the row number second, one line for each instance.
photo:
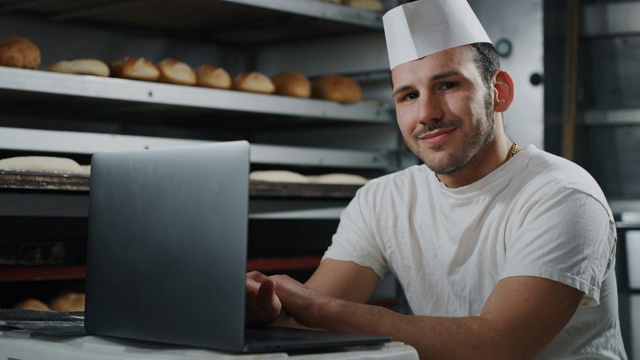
column 20, row 180
column 100, row 96
column 234, row 22
column 611, row 19
column 620, row 117
column 67, row 195
column 79, row 272
column 71, row 142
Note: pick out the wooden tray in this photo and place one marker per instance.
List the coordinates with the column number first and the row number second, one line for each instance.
column 23, row 180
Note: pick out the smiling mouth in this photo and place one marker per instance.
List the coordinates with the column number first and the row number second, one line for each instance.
column 436, row 137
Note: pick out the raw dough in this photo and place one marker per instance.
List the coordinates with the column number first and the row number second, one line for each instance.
column 278, row 176
column 338, row 178
column 41, row 164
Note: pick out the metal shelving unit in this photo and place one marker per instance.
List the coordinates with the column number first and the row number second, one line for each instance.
column 105, row 93
column 45, row 112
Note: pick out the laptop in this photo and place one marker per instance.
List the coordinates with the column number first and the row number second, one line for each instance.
column 167, row 247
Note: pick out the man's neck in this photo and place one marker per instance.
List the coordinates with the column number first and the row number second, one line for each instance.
column 491, row 157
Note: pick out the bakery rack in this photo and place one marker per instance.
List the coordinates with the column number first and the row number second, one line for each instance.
column 74, row 115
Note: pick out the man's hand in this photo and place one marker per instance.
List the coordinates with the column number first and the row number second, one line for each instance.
column 300, row 302
column 262, row 304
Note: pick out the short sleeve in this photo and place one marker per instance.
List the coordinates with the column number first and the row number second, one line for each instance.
column 355, row 239
column 567, row 236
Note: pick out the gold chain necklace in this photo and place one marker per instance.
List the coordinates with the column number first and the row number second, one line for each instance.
column 514, row 149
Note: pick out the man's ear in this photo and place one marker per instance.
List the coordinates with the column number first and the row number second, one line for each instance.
column 503, row 91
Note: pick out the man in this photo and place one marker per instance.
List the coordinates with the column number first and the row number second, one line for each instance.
column 502, row 251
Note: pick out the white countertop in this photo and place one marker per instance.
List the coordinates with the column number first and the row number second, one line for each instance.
column 19, row 345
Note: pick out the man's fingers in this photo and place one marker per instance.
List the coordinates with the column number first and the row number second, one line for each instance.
column 257, row 276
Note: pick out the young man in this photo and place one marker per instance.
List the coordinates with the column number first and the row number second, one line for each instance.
column 502, row 251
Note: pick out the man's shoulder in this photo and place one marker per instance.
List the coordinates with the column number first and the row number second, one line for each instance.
column 545, row 174
column 555, row 170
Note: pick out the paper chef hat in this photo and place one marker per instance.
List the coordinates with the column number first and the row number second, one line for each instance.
column 425, row 27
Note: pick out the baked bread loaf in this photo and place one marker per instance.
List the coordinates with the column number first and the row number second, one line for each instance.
column 338, row 88
column 31, row 304
column 80, row 66
column 19, row 52
column 136, row 68
column 68, row 302
column 253, row 81
column 213, row 76
column 176, row 72
column 292, row 83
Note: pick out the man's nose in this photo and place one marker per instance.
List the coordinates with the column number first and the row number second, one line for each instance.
column 430, row 109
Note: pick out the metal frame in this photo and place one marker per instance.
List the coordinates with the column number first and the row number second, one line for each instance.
column 99, row 88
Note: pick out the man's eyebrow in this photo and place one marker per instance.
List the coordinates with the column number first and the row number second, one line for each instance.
column 435, row 77
column 400, row 89
column 444, row 75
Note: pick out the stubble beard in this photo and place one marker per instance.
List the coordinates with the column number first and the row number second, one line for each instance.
column 472, row 143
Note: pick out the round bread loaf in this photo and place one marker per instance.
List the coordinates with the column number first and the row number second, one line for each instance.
column 19, row 52
column 176, row 72
column 253, row 81
column 292, row 83
column 68, row 302
column 213, row 76
column 338, row 88
column 136, row 68
column 80, row 66
column 31, row 304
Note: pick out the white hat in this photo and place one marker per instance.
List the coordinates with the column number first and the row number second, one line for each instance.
column 425, row 27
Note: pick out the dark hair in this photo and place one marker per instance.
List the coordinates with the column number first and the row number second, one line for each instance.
column 487, row 60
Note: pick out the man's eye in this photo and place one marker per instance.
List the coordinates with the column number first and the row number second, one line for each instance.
column 448, row 85
column 410, row 96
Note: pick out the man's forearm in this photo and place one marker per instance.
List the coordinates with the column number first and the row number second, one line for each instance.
column 433, row 337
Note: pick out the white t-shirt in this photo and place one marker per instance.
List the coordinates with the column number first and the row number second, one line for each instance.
column 536, row 215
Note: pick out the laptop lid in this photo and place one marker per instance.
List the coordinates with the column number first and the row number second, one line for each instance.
column 166, row 255
column 167, row 245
